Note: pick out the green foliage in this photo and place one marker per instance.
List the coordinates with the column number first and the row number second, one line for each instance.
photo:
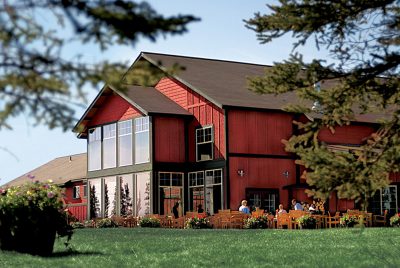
column 77, row 225
column 38, row 77
column 395, row 220
column 106, row 223
column 150, row 222
column 307, row 222
column 362, row 38
column 349, row 220
column 259, row 222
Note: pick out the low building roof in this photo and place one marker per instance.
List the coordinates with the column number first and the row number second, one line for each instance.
column 60, row 170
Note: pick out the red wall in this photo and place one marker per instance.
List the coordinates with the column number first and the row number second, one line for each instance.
column 169, row 139
column 394, row 177
column 346, row 134
column 258, row 132
column 259, row 173
column 80, row 212
column 114, row 108
column 76, row 206
column 205, row 113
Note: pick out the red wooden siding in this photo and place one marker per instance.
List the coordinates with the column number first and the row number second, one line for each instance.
column 205, row 113
column 68, row 197
column 259, row 173
column 79, row 211
column 114, row 109
column 346, row 134
column 256, row 132
column 169, row 139
column 394, row 177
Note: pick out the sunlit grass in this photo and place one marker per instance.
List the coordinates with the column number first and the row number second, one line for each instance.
column 142, row 247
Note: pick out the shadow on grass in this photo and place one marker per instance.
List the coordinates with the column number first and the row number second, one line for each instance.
column 70, row 253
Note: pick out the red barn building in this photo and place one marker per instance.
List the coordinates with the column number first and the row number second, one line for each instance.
column 199, row 137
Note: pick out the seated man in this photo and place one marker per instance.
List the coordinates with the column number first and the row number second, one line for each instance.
column 296, row 205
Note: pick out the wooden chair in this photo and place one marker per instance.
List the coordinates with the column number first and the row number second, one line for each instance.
column 332, row 221
column 225, row 220
column 131, row 221
column 294, row 215
column 237, row 221
column 271, row 221
column 120, row 221
column 178, row 223
column 284, row 220
column 381, row 219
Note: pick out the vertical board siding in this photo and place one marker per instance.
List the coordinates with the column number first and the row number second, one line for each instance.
column 205, row 113
column 255, row 132
column 259, row 173
column 115, row 108
column 395, row 177
column 346, row 134
column 169, row 139
column 79, row 212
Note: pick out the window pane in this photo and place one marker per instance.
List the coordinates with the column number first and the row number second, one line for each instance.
column 142, row 140
column 94, row 149
column 109, row 146
column 110, row 205
column 142, row 206
column 125, row 143
column 95, row 198
column 126, row 194
column 176, row 179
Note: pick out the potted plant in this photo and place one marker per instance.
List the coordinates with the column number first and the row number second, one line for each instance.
column 259, row 222
column 395, row 220
column 197, row 223
column 150, row 222
column 306, row 222
column 349, row 221
column 30, row 217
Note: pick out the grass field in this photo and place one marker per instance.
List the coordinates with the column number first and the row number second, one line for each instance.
column 143, row 247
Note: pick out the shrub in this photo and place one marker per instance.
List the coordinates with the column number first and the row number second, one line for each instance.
column 349, row 221
column 30, row 217
column 106, row 223
column 150, row 222
column 395, row 220
column 197, row 223
column 307, row 222
column 89, row 223
column 260, row 222
column 77, row 225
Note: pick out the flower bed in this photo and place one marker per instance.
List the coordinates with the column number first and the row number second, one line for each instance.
column 197, row 223
column 349, row 221
column 30, row 217
column 395, row 220
column 260, row 222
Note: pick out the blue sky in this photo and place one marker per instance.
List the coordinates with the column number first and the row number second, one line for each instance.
column 221, row 34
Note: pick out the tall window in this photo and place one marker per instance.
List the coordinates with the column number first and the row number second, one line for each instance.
column 95, row 198
column 94, row 149
column 171, row 191
column 125, row 143
column 213, row 192
column 143, row 194
column 196, row 190
column 142, row 144
column 126, row 200
column 109, row 146
column 385, row 199
column 110, row 200
column 204, row 143
column 75, row 192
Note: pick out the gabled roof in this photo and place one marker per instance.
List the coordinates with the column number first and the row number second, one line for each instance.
column 147, row 100
column 59, row 170
column 225, row 83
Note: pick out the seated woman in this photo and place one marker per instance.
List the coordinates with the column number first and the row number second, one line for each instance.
column 244, row 208
column 281, row 210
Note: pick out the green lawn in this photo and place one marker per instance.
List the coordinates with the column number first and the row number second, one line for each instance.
column 142, row 247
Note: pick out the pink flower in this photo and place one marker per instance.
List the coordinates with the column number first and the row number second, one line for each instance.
column 50, row 194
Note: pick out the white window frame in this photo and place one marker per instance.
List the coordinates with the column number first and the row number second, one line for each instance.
column 141, row 126
column 76, row 192
column 198, row 130
column 113, row 135
column 381, row 195
column 171, row 186
column 132, row 141
column 196, row 186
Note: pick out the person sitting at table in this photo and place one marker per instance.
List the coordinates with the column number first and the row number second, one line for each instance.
column 296, row 205
column 280, row 210
column 200, row 208
column 244, row 208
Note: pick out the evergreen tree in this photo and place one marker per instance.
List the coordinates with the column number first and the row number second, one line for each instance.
column 106, row 201
column 38, row 77
column 363, row 39
column 94, row 203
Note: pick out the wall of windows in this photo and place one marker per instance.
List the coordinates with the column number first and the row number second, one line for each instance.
column 170, row 192
column 122, row 195
column 385, row 199
column 106, row 151
column 205, row 188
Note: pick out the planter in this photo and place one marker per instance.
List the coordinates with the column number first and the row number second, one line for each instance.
column 28, row 232
column 308, row 226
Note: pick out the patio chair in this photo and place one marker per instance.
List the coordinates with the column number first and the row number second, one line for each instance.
column 237, row 221
column 332, row 221
column 284, row 220
column 178, row 223
column 381, row 219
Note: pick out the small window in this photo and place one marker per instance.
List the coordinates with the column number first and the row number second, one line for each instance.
column 75, row 192
column 204, row 143
column 85, row 190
